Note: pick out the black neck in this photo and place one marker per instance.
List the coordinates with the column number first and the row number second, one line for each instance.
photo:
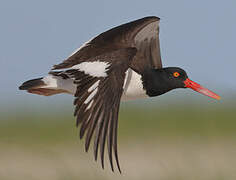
column 151, row 83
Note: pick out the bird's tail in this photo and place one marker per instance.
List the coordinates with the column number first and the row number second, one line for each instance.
column 42, row 86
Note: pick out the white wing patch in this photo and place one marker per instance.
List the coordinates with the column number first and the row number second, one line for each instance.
column 95, row 69
column 90, row 96
column 128, row 75
column 94, row 86
column 89, row 106
column 93, row 89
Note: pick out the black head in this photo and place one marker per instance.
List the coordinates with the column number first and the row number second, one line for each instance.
column 160, row 81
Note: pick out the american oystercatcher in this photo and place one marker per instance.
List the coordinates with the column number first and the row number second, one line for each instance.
column 120, row 64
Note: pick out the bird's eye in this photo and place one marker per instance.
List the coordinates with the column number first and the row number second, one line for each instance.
column 176, row 74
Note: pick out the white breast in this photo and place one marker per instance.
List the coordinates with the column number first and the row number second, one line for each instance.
column 133, row 87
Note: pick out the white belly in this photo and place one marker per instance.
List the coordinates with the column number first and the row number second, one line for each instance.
column 133, row 87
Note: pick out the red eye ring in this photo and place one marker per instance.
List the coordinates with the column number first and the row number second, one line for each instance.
column 176, row 74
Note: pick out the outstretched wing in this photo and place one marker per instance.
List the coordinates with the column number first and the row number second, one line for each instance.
column 99, row 88
column 143, row 34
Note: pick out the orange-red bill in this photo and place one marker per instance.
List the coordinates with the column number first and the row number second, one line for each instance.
column 197, row 87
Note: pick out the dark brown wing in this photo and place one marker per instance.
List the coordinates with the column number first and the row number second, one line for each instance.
column 147, row 43
column 98, row 99
column 143, row 34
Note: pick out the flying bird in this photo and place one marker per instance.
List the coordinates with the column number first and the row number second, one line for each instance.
column 123, row 63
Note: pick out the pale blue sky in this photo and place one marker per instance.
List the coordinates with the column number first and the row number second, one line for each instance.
column 198, row 36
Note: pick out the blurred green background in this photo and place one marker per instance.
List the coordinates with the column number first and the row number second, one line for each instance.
column 158, row 138
column 178, row 136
